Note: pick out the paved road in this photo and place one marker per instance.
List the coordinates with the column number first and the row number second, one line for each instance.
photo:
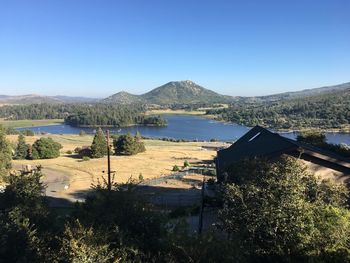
column 55, row 182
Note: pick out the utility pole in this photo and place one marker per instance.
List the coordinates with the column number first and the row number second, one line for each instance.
column 109, row 163
column 200, row 223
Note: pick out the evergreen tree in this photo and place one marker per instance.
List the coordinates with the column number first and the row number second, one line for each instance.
column 128, row 144
column 21, row 149
column 5, row 153
column 99, row 145
column 24, row 219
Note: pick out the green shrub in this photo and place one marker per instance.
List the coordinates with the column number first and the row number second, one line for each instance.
column 86, row 158
column 186, row 164
column 141, row 177
column 45, row 148
column 176, row 168
column 69, row 152
column 27, row 133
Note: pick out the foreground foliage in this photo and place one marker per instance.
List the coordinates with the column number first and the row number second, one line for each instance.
column 277, row 211
column 272, row 213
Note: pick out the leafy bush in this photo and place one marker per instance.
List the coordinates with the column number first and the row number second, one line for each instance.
column 27, row 133
column 85, row 158
column 186, row 163
column 176, row 168
column 45, row 148
column 276, row 210
column 12, row 131
column 69, row 152
column 312, row 137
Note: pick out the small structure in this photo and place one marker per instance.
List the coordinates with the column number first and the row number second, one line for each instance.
column 260, row 142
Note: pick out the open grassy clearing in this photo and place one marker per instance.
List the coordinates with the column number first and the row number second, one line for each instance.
column 29, row 123
column 157, row 161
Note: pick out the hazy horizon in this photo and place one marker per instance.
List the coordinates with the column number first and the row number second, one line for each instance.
column 239, row 48
column 102, row 97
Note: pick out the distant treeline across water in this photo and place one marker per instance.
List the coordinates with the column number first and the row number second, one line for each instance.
column 183, row 127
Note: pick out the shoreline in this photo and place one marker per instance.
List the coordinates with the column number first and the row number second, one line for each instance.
column 345, row 130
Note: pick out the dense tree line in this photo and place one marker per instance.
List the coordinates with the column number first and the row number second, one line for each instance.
column 328, row 111
column 84, row 114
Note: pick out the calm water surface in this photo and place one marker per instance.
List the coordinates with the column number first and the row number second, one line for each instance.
column 184, row 127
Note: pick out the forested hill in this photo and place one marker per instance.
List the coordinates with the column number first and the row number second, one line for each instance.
column 84, row 114
column 328, row 110
column 174, row 92
column 309, row 92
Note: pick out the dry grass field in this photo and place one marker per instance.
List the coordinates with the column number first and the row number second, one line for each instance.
column 157, row 161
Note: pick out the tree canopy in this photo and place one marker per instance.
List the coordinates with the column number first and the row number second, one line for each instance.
column 21, row 151
column 128, row 144
column 45, row 148
column 81, row 114
column 99, row 145
column 276, row 210
column 325, row 111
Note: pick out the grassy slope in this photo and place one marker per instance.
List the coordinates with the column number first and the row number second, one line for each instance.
column 29, row 123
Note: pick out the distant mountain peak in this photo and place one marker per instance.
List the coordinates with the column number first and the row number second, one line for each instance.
column 173, row 92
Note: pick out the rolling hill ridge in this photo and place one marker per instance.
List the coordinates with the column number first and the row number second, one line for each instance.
column 174, row 92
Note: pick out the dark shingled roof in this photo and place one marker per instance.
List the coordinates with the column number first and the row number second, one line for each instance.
column 261, row 142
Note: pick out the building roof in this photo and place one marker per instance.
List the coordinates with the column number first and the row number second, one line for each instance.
column 262, row 142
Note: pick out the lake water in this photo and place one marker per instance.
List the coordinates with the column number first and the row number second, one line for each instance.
column 183, row 127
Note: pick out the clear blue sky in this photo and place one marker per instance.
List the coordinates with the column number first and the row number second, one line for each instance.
column 99, row 47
